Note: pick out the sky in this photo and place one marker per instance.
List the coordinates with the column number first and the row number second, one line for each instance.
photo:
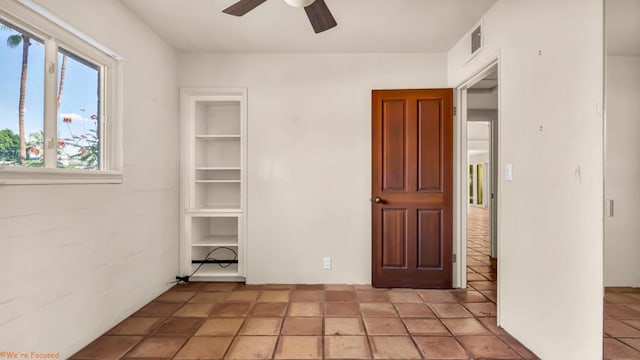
column 80, row 94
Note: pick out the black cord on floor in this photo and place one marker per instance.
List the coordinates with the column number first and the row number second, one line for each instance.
column 185, row 279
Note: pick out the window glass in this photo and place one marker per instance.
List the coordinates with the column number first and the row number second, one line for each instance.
column 21, row 98
column 78, row 100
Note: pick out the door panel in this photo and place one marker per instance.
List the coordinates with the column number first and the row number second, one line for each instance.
column 429, row 166
column 429, row 228
column 393, row 145
column 394, row 237
column 412, row 188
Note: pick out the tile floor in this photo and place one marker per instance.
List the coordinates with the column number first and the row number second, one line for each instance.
column 622, row 323
column 235, row 321
column 481, row 268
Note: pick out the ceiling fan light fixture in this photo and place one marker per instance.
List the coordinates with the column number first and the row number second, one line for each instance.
column 317, row 11
column 299, row 3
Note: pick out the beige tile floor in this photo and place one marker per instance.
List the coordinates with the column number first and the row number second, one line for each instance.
column 235, row 321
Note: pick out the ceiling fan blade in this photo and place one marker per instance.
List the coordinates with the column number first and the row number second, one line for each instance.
column 242, row 7
column 320, row 16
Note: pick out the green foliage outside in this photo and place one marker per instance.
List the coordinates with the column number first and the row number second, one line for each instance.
column 9, row 146
column 79, row 151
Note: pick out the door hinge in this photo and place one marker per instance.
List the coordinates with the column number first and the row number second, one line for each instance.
column 455, row 258
column 455, row 111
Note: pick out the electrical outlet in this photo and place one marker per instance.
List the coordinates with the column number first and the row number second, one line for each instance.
column 326, row 263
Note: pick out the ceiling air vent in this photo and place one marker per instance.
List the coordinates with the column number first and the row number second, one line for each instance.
column 476, row 40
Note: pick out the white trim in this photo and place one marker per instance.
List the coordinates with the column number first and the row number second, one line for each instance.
column 66, row 26
column 45, row 176
column 494, row 182
column 462, row 190
column 494, row 63
column 50, row 111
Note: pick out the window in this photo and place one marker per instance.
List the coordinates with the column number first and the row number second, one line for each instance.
column 21, row 97
column 60, row 118
column 78, row 113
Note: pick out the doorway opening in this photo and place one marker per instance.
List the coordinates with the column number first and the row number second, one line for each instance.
column 481, row 159
column 478, row 161
column 621, row 227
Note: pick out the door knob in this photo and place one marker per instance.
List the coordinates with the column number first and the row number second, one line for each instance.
column 377, row 200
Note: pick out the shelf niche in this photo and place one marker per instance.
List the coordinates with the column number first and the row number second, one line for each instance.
column 218, row 118
column 214, row 135
column 214, row 231
column 218, row 153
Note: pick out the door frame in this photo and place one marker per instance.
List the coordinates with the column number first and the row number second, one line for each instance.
column 462, row 170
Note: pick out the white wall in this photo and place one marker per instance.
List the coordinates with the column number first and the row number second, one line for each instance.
column 478, row 158
column 481, row 115
column 310, row 153
column 622, row 244
column 551, row 75
column 477, row 136
column 77, row 259
column 482, row 99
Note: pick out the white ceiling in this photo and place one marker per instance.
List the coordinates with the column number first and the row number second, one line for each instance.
column 364, row 26
column 483, row 95
column 623, row 27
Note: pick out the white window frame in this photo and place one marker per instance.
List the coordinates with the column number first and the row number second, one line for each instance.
column 34, row 19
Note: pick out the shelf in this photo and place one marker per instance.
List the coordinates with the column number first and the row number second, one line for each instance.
column 215, row 126
column 218, row 137
column 209, row 211
column 217, row 181
column 219, row 240
column 217, row 175
column 217, row 168
column 213, row 270
column 205, row 244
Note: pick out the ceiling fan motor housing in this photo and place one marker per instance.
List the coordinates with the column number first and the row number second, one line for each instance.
column 299, row 3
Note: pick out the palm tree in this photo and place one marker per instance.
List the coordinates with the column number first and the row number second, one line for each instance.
column 15, row 41
column 63, row 70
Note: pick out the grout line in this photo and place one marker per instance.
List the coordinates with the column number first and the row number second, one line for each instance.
column 324, row 316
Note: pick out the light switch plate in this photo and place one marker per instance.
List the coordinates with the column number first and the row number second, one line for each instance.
column 326, row 263
column 508, row 172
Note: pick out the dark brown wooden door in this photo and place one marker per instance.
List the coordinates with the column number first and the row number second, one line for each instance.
column 412, row 192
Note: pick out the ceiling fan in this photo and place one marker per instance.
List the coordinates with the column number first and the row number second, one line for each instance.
column 317, row 11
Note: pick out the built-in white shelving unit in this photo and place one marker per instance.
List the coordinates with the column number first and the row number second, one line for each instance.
column 214, row 135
